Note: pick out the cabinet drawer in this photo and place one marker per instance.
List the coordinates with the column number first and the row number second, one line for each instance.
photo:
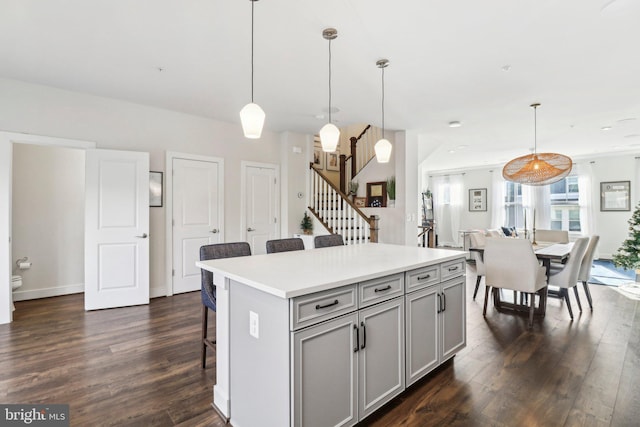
column 311, row 309
column 421, row 277
column 378, row 290
column 452, row 269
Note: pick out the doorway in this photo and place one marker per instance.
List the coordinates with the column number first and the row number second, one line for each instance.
column 260, row 204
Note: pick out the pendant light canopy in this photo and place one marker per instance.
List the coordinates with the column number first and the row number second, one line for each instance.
column 329, row 134
column 383, row 147
column 537, row 168
column 252, row 116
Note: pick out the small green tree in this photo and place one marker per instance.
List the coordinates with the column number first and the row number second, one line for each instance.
column 306, row 224
column 628, row 255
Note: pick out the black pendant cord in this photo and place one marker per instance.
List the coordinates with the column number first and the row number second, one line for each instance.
column 383, row 103
column 329, row 80
column 252, row 7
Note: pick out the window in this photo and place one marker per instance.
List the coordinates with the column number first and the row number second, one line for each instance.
column 565, row 211
column 514, row 211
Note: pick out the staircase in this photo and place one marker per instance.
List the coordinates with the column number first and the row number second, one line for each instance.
column 338, row 214
column 362, row 152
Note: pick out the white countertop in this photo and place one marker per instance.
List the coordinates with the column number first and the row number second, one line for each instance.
column 291, row 274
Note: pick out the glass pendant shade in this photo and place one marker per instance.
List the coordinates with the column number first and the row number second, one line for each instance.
column 383, row 151
column 252, row 118
column 329, row 137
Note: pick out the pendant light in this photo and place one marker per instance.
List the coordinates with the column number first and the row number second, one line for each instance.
column 329, row 134
column 537, row 168
column 252, row 116
column 383, row 147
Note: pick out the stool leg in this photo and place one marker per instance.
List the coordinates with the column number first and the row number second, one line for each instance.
column 204, row 335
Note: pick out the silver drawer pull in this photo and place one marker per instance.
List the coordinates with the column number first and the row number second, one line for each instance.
column 453, row 268
column 424, row 277
column 386, row 288
column 318, row 306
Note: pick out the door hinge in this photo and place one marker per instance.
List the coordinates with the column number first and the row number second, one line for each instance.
column 275, row 220
column 275, row 180
column 173, row 272
column 173, row 222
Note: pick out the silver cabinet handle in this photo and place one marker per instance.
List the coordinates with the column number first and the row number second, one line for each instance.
column 144, row 236
column 214, row 231
column 251, row 229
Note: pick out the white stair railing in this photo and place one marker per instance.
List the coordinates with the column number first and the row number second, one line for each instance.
column 338, row 214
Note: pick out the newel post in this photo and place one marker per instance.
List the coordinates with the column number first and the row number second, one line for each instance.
column 343, row 180
column 354, row 163
column 373, row 228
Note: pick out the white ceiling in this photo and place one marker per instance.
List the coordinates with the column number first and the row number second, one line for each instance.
column 579, row 58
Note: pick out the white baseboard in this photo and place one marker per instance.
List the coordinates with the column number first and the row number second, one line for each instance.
column 23, row 295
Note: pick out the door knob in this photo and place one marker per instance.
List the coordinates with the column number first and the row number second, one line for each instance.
column 214, row 231
column 251, row 229
column 144, row 236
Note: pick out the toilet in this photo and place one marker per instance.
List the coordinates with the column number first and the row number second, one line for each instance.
column 16, row 282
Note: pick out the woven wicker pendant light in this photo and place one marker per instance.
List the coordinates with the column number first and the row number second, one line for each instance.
column 537, row 168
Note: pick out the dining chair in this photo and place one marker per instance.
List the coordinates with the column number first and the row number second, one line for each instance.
column 555, row 236
column 208, row 290
column 477, row 241
column 585, row 267
column 328, row 240
column 565, row 276
column 512, row 264
column 285, row 245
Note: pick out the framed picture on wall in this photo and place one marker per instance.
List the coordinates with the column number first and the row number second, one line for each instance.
column 332, row 162
column 318, row 157
column 155, row 189
column 477, row 200
column 377, row 194
column 614, row 196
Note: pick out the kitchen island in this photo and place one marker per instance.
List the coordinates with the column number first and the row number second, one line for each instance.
column 327, row 336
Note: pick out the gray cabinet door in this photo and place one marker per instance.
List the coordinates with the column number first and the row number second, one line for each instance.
column 453, row 318
column 381, row 356
column 422, row 333
column 324, row 377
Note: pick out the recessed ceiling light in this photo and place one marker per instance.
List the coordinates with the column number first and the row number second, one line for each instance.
column 455, row 124
column 319, row 116
column 461, row 147
column 605, row 128
column 452, row 151
column 506, row 68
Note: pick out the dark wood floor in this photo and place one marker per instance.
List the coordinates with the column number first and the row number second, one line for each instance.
column 139, row 366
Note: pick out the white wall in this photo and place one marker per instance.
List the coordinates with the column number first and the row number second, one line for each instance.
column 48, row 219
column 115, row 124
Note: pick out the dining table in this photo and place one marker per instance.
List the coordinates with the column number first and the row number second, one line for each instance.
column 546, row 252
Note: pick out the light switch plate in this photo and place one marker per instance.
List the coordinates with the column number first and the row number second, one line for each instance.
column 254, row 325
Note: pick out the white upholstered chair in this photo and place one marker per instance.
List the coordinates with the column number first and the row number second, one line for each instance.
column 565, row 276
column 555, row 236
column 585, row 267
column 512, row 264
column 477, row 241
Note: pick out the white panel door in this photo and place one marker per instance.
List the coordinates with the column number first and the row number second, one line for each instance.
column 116, row 229
column 196, row 218
column 261, row 215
